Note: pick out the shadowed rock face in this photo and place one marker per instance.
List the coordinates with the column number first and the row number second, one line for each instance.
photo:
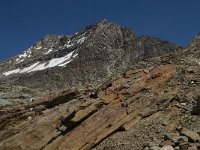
column 196, row 109
column 128, row 93
column 103, row 50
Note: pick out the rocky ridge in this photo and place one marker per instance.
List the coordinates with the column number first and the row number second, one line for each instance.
column 152, row 103
column 94, row 54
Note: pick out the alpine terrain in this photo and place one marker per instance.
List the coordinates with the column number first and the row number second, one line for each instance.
column 103, row 88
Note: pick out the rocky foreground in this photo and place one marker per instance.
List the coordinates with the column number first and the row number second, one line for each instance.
column 154, row 105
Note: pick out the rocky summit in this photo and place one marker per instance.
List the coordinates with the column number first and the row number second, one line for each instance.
column 103, row 88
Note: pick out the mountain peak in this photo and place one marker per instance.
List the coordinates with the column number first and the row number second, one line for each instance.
column 195, row 42
column 94, row 53
column 104, row 21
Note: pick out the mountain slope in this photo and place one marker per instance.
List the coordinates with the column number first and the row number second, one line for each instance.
column 148, row 98
column 91, row 55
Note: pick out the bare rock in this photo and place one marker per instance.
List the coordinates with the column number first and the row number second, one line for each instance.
column 167, row 143
column 184, row 145
column 193, row 136
column 154, row 148
column 167, row 148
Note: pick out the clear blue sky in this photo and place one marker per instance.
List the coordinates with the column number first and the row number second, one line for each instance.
column 23, row 22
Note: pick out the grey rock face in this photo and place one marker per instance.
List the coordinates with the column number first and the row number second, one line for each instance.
column 99, row 52
column 195, row 44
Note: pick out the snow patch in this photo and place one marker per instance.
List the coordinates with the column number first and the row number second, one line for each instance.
column 38, row 67
column 11, row 72
column 21, row 60
column 69, row 60
column 27, row 69
column 49, row 51
column 68, row 45
column 64, row 64
column 61, row 62
column 81, row 40
column 23, row 55
column 56, row 61
column 40, row 47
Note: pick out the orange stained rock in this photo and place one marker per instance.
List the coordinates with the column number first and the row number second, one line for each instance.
column 113, row 116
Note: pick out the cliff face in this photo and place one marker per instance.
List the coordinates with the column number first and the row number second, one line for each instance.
column 119, row 91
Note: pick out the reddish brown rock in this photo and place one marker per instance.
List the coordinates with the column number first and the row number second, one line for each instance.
column 167, row 143
column 184, row 145
column 112, row 117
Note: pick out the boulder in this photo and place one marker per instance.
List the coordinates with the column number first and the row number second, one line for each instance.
column 167, row 143
column 167, row 148
column 193, row 136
